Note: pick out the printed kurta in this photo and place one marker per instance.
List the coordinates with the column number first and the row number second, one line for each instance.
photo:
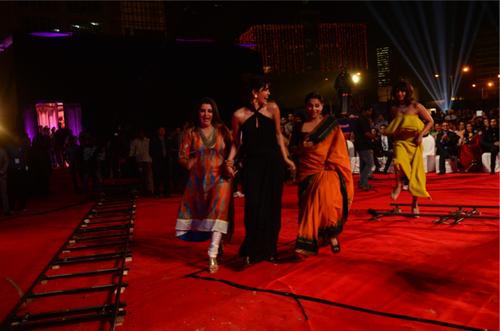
column 325, row 186
column 206, row 201
column 408, row 156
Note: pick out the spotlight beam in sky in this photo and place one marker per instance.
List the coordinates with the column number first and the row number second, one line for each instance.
column 435, row 43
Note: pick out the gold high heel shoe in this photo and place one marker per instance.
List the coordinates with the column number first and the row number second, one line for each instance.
column 213, row 267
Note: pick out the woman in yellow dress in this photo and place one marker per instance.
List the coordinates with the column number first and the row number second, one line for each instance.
column 324, row 179
column 407, row 130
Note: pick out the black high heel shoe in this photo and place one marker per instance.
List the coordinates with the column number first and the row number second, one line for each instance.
column 335, row 248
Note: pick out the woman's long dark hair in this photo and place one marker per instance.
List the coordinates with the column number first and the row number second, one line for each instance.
column 314, row 95
column 216, row 121
column 404, row 87
column 253, row 82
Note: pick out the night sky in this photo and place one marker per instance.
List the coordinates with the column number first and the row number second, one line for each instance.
column 118, row 76
column 444, row 21
column 227, row 20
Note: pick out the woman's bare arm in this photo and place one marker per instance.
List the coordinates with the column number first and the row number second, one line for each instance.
column 236, row 121
column 424, row 114
column 273, row 108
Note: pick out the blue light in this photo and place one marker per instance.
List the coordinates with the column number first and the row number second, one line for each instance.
column 426, row 43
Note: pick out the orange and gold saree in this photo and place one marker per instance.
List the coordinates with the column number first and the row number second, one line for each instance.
column 325, row 186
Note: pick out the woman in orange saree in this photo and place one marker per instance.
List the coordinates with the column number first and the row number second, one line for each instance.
column 325, row 182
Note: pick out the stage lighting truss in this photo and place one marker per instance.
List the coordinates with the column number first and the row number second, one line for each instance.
column 456, row 215
column 95, row 254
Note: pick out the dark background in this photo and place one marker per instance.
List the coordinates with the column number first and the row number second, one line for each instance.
column 151, row 81
column 132, row 82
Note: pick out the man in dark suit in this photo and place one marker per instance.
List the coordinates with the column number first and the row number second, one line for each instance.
column 447, row 146
column 363, row 141
column 159, row 151
column 383, row 147
column 490, row 143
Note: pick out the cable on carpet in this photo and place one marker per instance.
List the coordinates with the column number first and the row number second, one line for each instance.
column 336, row 304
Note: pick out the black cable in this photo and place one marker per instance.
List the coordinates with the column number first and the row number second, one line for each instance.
column 336, row 304
column 301, row 308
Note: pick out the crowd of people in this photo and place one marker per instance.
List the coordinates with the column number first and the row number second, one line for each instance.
column 462, row 135
column 206, row 162
column 26, row 166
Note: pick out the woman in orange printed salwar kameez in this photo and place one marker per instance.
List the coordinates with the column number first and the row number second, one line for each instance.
column 325, row 182
column 205, row 208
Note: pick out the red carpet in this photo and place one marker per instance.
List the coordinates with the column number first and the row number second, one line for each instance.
column 388, row 270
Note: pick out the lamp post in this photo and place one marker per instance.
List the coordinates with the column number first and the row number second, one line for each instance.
column 483, row 87
column 358, row 100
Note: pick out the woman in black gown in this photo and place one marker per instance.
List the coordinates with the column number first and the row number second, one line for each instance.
column 257, row 132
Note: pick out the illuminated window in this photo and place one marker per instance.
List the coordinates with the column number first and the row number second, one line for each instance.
column 383, row 67
column 50, row 114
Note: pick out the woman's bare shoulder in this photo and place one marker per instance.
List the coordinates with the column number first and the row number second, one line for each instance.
column 272, row 106
column 240, row 114
column 418, row 105
column 273, row 110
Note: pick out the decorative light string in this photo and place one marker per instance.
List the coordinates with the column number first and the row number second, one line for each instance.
column 282, row 46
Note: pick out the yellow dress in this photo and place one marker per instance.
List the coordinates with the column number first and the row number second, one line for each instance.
column 408, row 156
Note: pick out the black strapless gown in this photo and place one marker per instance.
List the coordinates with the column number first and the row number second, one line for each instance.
column 263, row 175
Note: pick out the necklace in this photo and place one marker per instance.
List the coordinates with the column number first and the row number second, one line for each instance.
column 210, row 140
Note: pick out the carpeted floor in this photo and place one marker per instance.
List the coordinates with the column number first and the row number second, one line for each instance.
column 393, row 274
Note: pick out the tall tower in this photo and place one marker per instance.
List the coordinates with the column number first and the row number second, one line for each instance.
column 383, row 73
